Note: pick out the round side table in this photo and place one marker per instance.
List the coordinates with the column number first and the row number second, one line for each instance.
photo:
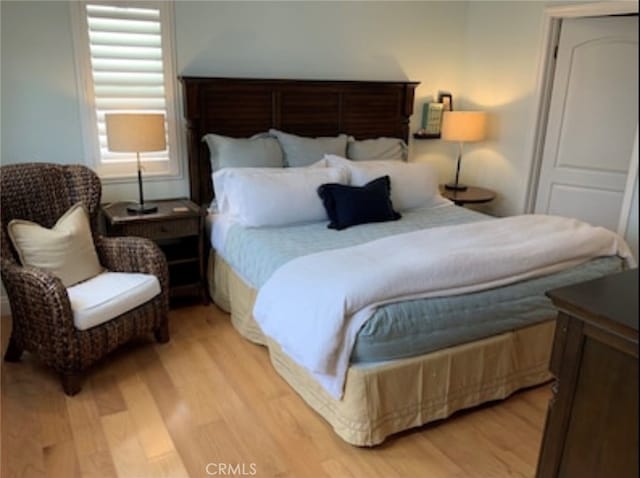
column 471, row 195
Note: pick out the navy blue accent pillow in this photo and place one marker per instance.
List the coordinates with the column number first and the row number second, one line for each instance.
column 351, row 205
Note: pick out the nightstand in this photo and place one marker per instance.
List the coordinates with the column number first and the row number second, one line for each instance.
column 471, row 195
column 178, row 228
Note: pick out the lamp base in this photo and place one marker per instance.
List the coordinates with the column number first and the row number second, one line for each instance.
column 145, row 208
column 455, row 187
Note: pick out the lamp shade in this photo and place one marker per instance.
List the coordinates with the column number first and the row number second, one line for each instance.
column 135, row 133
column 464, row 126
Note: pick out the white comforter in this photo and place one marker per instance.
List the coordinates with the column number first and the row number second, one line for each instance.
column 314, row 305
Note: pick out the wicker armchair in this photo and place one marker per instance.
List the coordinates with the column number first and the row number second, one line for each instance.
column 42, row 319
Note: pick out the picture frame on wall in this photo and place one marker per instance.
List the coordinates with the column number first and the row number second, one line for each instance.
column 447, row 101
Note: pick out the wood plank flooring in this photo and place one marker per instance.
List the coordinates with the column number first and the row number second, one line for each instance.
column 209, row 404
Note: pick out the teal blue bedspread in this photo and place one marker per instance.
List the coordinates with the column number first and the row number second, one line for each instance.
column 405, row 329
column 256, row 253
column 413, row 327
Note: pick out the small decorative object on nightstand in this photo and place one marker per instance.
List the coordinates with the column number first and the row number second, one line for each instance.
column 471, row 195
column 177, row 227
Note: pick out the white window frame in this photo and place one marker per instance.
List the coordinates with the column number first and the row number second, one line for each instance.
column 126, row 171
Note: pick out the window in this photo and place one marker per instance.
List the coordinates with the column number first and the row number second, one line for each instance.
column 125, row 65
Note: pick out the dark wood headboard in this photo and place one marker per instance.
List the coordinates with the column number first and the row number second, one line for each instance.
column 240, row 108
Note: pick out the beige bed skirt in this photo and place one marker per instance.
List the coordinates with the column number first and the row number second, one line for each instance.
column 387, row 397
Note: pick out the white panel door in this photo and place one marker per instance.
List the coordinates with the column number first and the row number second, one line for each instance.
column 592, row 121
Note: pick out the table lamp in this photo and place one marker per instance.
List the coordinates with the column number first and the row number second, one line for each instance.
column 463, row 127
column 136, row 133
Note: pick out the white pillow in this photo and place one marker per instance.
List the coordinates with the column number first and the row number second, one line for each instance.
column 302, row 151
column 376, row 148
column 258, row 197
column 66, row 250
column 412, row 184
column 260, row 150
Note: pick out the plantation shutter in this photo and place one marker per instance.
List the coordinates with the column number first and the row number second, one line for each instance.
column 127, row 68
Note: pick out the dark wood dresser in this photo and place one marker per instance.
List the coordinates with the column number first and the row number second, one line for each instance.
column 592, row 421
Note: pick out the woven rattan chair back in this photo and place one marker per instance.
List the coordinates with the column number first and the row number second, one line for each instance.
column 42, row 192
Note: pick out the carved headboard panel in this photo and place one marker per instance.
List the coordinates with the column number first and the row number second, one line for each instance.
column 243, row 107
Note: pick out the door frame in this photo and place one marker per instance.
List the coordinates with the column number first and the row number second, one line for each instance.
column 553, row 17
column 632, row 179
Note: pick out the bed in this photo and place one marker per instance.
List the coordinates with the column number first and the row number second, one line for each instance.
column 384, row 391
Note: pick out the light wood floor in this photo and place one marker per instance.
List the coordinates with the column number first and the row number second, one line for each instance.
column 211, row 398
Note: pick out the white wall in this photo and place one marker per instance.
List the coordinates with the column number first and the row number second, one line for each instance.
column 39, row 99
column 350, row 40
column 418, row 41
column 503, row 44
column 40, row 102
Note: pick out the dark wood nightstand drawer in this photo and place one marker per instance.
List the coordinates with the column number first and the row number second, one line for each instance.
column 177, row 227
column 168, row 229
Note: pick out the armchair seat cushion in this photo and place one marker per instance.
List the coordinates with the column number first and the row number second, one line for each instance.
column 108, row 295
